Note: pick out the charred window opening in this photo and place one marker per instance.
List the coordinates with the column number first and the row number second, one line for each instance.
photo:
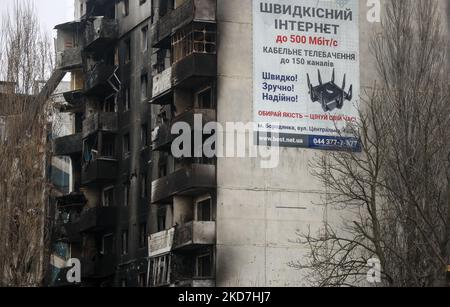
column 196, row 38
column 124, row 241
column 108, row 197
column 161, row 216
column 143, row 235
column 204, row 263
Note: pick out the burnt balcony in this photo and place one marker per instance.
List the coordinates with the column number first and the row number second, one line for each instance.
column 100, row 32
column 162, row 86
column 190, row 181
column 97, row 219
column 102, row 80
column 69, row 145
column 74, row 101
column 69, row 59
column 194, row 70
column 193, row 235
column 163, row 137
column 190, row 11
column 101, row 170
column 102, row 121
column 160, row 243
column 100, row 266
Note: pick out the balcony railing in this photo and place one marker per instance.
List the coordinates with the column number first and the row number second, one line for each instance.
column 190, row 181
column 69, row 145
column 189, row 11
column 69, row 59
column 100, row 170
column 194, row 234
column 192, row 71
column 100, row 32
column 102, row 121
column 160, row 243
column 162, row 83
column 102, row 80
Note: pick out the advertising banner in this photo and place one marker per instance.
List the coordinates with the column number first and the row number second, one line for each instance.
column 306, row 72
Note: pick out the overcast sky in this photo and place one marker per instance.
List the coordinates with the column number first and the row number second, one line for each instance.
column 50, row 12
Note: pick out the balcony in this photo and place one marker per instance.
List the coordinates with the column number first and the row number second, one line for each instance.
column 96, row 219
column 69, row 145
column 194, row 234
column 100, row 32
column 160, row 243
column 100, row 267
column 163, row 137
column 69, row 59
column 74, row 101
column 102, row 121
column 162, row 85
column 100, row 170
column 190, row 11
column 102, row 80
column 189, row 181
column 194, row 70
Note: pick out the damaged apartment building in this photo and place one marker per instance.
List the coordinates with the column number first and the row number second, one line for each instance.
column 137, row 67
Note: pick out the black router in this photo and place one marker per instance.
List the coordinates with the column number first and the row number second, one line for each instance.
column 329, row 95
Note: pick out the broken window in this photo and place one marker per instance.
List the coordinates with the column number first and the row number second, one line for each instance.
column 125, row 8
column 126, row 99
column 144, row 191
column 127, row 51
column 108, row 197
column 107, row 244
column 144, row 87
column 108, row 146
column 144, row 36
column 126, row 144
column 196, row 38
column 126, row 194
column 109, row 105
column 204, row 98
column 125, row 242
column 162, row 214
column 144, row 136
column 204, row 210
column 142, row 235
column 204, row 265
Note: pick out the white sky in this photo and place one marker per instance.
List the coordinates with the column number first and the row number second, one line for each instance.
column 50, row 12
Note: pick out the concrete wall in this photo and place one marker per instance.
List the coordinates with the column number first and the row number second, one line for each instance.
column 258, row 210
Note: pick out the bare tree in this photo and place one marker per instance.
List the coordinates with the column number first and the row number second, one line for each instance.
column 397, row 190
column 25, row 58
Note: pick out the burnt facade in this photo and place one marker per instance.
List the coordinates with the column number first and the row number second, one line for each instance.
column 137, row 216
column 103, row 221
